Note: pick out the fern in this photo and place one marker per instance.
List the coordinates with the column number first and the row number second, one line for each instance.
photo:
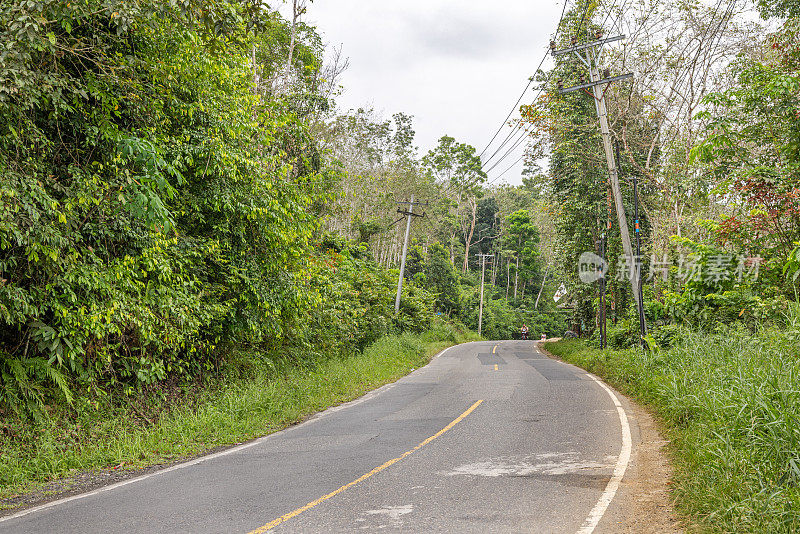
column 58, row 378
column 24, row 383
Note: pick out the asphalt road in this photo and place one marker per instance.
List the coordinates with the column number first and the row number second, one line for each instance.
column 489, row 437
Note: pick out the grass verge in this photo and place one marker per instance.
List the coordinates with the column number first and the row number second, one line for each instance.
column 730, row 402
column 277, row 394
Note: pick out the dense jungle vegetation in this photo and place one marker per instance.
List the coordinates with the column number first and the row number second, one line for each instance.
column 183, row 206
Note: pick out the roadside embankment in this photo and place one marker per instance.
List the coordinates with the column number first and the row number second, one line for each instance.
column 730, row 405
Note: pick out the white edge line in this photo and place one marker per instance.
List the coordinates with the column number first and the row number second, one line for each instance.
column 202, row 459
column 623, row 459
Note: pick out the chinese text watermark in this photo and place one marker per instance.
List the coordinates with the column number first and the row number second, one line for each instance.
column 711, row 269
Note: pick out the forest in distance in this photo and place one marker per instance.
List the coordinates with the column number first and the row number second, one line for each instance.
column 183, row 204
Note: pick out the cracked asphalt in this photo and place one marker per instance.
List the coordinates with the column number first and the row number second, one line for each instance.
column 489, row 437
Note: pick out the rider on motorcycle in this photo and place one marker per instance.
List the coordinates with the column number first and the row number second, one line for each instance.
column 524, row 331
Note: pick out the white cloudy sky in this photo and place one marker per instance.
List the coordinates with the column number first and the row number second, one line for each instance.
column 457, row 66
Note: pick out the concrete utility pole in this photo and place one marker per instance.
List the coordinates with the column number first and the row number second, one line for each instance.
column 588, row 54
column 410, row 213
column 480, row 307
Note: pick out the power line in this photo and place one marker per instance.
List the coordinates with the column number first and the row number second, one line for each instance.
column 530, row 81
column 500, row 128
column 517, row 135
column 527, row 130
column 523, row 131
column 508, row 169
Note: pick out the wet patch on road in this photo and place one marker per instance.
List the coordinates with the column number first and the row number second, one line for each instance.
column 388, row 516
column 549, row 465
column 553, row 370
column 491, row 359
column 530, row 356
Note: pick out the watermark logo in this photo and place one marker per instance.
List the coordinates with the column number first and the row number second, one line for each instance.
column 591, row 267
column 712, row 269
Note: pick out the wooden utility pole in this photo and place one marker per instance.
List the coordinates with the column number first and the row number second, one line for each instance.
column 480, row 307
column 602, row 310
column 544, row 279
column 588, row 54
column 637, row 266
column 410, row 213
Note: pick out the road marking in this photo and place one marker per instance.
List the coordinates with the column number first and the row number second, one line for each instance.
column 619, row 469
column 285, row 517
column 494, row 349
column 258, row 441
column 495, row 367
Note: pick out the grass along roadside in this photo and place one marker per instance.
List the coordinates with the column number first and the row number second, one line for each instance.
column 730, row 402
column 275, row 397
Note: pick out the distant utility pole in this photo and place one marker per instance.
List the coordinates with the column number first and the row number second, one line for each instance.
column 637, row 266
column 588, row 54
column 480, row 307
column 408, row 213
column 602, row 311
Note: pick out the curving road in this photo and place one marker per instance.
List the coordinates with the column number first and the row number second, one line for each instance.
column 489, row 437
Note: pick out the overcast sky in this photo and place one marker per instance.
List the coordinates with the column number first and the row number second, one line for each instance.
column 457, row 66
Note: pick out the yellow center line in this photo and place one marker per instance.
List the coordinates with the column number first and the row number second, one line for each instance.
column 495, row 367
column 494, row 349
column 285, row 517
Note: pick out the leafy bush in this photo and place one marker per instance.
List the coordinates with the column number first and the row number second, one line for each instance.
column 667, row 335
column 624, row 334
column 153, row 210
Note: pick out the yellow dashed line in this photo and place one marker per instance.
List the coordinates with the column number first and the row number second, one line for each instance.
column 495, row 367
column 494, row 349
column 285, row 517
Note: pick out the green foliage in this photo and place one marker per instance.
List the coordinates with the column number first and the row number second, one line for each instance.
column 22, row 384
column 624, row 334
column 503, row 319
column 266, row 393
column 415, row 262
column 779, row 8
column 455, row 164
column 667, row 335
column 153, row 210
column 442, row 280
column 761, row 112
column 522, row 239
column 721, row 289
column 352, row 303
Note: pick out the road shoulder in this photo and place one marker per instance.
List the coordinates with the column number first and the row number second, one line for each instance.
column 644, row 502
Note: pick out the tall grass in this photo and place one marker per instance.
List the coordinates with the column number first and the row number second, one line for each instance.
column 731, row 403
column 278, row 393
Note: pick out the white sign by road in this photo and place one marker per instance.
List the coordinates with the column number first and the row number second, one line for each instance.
column 560, row 293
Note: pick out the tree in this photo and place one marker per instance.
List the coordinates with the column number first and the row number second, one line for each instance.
column 522, row 237
column 458, row 168
column 154, row 202
column 752, row 149
column 442, row 279
column 415, row 262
